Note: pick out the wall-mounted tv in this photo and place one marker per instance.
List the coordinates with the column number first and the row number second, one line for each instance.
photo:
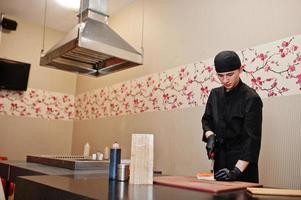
column 13, row 75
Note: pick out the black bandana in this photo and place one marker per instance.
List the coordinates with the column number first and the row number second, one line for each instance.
column 226, row 61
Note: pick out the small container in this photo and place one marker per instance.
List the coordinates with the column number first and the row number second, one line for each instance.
column 99, row 156
column 123, row 172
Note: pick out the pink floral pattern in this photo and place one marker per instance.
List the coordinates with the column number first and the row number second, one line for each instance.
column 38, row 104
column 272, row 70
column 183, row 87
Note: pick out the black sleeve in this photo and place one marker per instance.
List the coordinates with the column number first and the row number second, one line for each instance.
column 207, row 117
column 252, row 130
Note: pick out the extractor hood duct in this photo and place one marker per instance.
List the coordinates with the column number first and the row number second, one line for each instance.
column 92, row 47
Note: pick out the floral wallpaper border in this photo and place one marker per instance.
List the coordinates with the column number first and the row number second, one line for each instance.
column 272, row 69
column 38, row 104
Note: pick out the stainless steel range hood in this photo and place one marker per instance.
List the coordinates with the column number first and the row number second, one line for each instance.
column 92, row 47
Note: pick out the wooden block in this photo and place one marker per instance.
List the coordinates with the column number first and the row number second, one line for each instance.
column 272, row 191
column 142, row 156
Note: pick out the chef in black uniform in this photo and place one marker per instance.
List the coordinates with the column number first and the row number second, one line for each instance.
column 232, row 123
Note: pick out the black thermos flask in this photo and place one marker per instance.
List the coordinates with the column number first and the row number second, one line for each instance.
column 115, row 154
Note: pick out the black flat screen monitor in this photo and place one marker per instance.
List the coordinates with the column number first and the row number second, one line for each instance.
column 13, row 75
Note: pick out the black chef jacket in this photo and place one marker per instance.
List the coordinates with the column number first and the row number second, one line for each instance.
column 235, row 117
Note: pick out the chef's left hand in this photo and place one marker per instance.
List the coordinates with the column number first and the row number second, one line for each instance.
column 227, row 175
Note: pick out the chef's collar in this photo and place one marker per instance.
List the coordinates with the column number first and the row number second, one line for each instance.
column 235, row 89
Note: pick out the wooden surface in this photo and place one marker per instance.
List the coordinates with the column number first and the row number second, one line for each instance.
column 272, row 191
column 190, row 182
column 142, row 156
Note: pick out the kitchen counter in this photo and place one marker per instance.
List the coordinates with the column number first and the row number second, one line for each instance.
column 10, row 170
column 99, row 187
column 45, row 182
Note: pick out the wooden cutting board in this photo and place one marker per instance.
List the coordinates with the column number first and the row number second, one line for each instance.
column 273, row 191
column 191, row 182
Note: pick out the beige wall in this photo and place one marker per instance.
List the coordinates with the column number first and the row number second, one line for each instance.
column 177, row 142
column 20, row 136
column 176, row 33
column 280, row 159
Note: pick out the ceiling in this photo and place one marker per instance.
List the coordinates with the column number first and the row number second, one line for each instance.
column 57, row 17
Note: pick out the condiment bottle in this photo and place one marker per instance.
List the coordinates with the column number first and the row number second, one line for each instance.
column 86, row 150
column 115, row 154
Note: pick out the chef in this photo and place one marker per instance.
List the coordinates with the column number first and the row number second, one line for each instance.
column 232, row 123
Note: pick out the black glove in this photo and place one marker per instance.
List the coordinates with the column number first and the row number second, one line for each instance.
column 227, row 175
column 210, row 147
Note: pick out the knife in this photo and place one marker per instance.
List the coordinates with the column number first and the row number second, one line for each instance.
column 212, row 162
column 212, row 166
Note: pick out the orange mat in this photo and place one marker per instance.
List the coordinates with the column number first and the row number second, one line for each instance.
column 191, row 182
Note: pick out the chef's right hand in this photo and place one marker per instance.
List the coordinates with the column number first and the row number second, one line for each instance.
column 210, row 147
